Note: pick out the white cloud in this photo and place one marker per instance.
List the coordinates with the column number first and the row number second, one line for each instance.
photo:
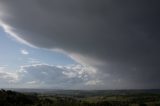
column 80, row 71
column 32, row 82
column 74, row 76
column 3, row 67
column 8, row 76
column 24, row 52
column 94, row 82
column 57, row 76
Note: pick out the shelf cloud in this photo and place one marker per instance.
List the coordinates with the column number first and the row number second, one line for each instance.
column 120, row 39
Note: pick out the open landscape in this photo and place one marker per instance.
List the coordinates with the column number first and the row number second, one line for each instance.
column 48, row 97
column 79, row 52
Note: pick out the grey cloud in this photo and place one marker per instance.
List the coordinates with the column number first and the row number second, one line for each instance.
column 124, row 34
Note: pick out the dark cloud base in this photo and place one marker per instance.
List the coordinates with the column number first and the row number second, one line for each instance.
column 124, row 34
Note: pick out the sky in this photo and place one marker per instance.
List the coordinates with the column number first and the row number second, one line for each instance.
column 79, row 44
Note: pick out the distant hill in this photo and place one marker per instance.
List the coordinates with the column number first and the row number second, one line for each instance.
column 80, row 98
column 87, row 92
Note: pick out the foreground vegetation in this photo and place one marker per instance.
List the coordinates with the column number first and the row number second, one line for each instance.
column 11, row 98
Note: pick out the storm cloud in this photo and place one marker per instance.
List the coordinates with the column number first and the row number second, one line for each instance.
column 118, row 38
